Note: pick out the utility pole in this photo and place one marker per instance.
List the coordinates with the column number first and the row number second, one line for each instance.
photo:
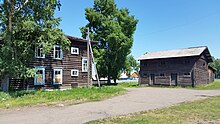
column 90, row 52
column 88, row 59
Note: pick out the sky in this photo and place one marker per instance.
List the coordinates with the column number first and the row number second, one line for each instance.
column 163, row 24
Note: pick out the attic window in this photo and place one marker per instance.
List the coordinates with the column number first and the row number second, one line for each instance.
column 203, row 64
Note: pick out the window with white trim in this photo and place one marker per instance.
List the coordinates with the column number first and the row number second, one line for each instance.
column 39, row 78
column 84, row 64
column 74, row 72
column 57, row 76
column 57, row 52
column 39, row 52
column 162, row 75
column 188, row 74
column 74, row 50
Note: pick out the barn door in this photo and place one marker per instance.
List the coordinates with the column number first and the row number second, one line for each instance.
column 173, row 79
column 152, row 79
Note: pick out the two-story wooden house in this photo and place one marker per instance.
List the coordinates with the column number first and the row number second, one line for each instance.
column 59, row 68
column 185, row 67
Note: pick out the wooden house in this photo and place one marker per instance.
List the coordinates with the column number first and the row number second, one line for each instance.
column 185, row 67
column 59, row 68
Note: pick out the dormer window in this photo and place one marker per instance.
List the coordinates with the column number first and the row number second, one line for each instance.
column 57, row 53
column 74, row 50
column 39, row 52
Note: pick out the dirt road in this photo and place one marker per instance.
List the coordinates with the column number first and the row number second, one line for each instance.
column 137, row 99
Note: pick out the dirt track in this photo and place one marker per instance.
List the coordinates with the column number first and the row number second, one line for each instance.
column 137, row 99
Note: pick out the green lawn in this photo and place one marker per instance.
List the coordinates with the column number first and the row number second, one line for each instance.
column 73, row 96
column 214, row 85
column 128, row 85
column 200, row 111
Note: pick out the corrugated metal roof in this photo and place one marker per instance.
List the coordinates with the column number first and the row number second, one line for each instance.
column 192, row 51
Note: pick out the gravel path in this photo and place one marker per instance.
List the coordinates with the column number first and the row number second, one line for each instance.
column 137, row 99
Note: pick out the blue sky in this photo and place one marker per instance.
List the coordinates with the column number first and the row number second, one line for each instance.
column 163, row 24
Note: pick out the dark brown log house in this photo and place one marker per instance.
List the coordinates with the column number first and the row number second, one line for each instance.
column 185, row 67
column 59, row 68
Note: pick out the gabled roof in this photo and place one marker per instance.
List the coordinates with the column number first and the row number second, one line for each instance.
column 186, row 52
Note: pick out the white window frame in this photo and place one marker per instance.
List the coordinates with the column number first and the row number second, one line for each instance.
column 84, row 70
column 35, row 78
column 74, row 48
column 54, row 51
column 36, row 52
column 54, row 75
column 77, row 71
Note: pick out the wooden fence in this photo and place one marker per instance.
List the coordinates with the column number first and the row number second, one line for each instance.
column 17, row 84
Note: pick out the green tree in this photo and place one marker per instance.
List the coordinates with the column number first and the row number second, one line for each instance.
column 131, row 64
column 216, row 65
column 26, row 24
column 114, row 28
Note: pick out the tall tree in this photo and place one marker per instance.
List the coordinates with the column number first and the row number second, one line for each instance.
column 216, row 65
column 26, row 24
column 114, row 28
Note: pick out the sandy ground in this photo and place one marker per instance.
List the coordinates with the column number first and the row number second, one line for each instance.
column 135, row 100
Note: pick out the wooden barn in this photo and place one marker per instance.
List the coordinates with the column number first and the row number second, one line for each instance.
column 59, row 68
column 184, row 67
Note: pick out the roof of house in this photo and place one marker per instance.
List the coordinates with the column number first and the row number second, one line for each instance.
column 134, row 75
column 186, row 52
column 79, row 39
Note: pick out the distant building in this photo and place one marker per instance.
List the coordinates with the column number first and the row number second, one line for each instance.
column 185, row 67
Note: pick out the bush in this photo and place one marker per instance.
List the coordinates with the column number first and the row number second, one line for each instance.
column 4, row 96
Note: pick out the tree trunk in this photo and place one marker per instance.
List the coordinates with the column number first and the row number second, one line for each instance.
column 109, row 79
column 115, row 81
column 5, row 81
column 5, row 84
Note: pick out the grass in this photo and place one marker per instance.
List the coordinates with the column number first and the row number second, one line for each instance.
column 73, row 96
column 200, row 111
column 128, row 85
column 214, row 85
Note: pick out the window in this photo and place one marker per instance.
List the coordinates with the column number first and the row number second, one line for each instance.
column 57, row 76
column 74, row 72
column 39, row 78
column 187, row 62
column 74, row 50
column 57, row 53
column 203, row 64
column 187, row 74
column 162, row 63
column 84, row 64
column 162, row 75
column 144, row 75
column 39, row 52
